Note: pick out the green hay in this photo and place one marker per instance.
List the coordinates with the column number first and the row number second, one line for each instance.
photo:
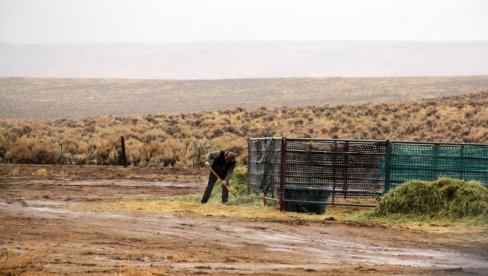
column 444, row 198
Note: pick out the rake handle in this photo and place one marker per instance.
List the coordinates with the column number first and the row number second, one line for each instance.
column 222, row 181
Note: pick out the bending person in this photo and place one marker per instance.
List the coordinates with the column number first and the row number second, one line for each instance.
column 223, row 164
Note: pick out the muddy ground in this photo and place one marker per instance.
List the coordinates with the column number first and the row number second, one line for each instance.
column 37, row 219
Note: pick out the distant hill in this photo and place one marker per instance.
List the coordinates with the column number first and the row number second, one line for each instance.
column 224, row 60
column 69, row 98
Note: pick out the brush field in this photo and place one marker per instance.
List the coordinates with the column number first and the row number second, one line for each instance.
column 183, row 139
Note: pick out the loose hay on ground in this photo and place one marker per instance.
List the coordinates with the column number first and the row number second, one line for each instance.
column 178, row 207
column 444, row 198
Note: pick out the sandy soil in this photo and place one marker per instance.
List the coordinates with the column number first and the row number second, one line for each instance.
column 37, row 217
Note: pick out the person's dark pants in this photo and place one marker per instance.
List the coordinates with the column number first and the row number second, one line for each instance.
column 208, row 191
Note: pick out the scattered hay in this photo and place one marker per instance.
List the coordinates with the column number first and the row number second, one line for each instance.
column 131, row 270
column 41, row 172
column 443, row 198
column 178, row 207
column 191, row 206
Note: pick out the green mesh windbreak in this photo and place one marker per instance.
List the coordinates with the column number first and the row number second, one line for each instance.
column 428, row 161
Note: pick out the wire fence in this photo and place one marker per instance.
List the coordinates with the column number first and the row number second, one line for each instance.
column 315, row 170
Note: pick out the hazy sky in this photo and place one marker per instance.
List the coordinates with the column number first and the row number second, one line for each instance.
column 106, row 21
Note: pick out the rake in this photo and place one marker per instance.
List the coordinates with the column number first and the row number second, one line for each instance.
column 222, row 182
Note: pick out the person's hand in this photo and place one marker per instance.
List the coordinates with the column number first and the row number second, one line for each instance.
column 224, row 182
column 207, row 164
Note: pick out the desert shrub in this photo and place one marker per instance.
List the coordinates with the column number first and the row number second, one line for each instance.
column 46, row 154
column 134, row 151
column 196, row 151
column 79, row 159
column 21, row 131
column 216, row 133
column 151, row 152
column 4, row 146
column 90, row 129
column 107, row 153
column 31, row 150
column 171, row 149
column 443, row 198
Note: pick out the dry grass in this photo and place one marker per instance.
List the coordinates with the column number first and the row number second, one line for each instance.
column 131, row 270
column 18, row 259
column 182, row 140
column 182, row 207
column 352, row 215
column 41, row 172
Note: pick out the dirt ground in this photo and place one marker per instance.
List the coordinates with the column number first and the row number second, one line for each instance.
column 40, row 227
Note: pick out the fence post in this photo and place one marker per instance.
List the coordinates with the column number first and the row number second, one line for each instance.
column 282, row 171
column 345, row 171
column 436, row 161
column 387, row 165
column 334, row 176
column 61, row 157
column 462, row 161
column 123, row 151
column 249, row 166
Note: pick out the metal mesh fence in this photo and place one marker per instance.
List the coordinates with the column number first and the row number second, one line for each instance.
column 264, row 165
column 345, row 168
column 322, row 168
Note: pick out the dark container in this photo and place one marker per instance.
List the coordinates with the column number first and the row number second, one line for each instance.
column 304, row 194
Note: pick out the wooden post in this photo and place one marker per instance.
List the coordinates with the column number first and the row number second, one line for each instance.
column 123, row 150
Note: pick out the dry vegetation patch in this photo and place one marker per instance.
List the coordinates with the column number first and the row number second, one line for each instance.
column 192, row 208
column 182, row 140
column 19, row 258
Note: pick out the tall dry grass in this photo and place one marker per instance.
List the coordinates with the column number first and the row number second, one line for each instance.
column 182, row 140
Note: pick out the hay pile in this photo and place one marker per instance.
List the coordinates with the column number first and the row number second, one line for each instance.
column 443, row 198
